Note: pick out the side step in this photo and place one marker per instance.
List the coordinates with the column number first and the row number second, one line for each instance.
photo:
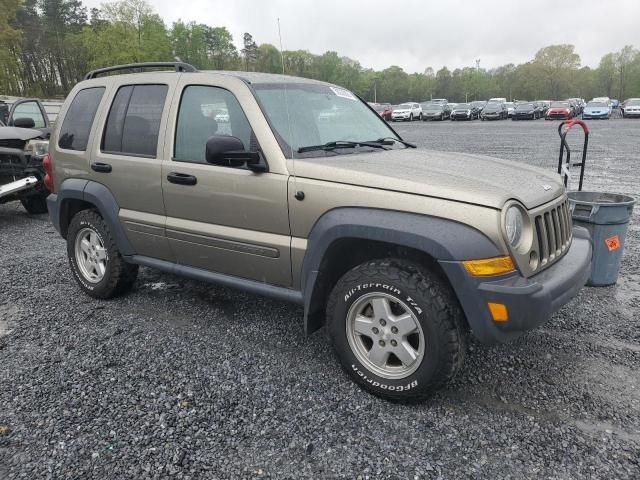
column 18, row 186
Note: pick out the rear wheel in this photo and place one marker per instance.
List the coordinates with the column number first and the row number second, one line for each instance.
column 35, row 204
column 95, row 259
column 396, row 328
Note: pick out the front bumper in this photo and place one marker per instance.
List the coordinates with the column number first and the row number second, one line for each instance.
column 530, row 301
column 586, row 116
column 557, row 116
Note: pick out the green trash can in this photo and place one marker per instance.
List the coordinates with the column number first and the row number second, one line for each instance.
column 606, row 216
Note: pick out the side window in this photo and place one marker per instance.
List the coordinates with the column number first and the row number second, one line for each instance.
column 134, row 120
column 206, row 111
column 29, row 110
column 74, row 133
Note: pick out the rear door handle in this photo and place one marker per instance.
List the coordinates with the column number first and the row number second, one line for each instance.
column 182, row 178
column 101, row 167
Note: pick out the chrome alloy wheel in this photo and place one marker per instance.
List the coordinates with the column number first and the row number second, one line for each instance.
column 91, row 256
column 385, row 335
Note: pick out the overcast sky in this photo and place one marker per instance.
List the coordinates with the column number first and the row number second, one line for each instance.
column 415, row 34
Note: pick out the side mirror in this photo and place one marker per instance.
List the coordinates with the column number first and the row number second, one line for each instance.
column 24, row 122
column 228, row 151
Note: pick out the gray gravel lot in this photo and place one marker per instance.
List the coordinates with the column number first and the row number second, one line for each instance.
column 187, row 380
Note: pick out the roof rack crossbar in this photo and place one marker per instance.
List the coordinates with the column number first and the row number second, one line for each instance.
column 178, row 66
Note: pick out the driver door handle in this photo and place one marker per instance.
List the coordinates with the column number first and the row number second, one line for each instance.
column 181, row 178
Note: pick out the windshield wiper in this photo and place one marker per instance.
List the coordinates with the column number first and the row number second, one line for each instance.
column 341, row 144
column 392, row 140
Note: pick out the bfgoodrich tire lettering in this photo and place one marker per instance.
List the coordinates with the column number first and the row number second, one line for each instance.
column 118, row 276
column 427, row 299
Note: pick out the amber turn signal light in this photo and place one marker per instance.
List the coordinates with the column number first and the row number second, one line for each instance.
column 498, row 312
column 489, row 266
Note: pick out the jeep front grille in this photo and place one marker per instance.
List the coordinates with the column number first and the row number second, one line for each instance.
column 553, row 229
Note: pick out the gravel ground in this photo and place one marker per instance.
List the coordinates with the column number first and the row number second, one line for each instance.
column 187, row 380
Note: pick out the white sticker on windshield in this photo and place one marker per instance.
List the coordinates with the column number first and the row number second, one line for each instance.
column 341, row 92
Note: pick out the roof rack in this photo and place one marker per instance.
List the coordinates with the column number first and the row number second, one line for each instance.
column 178, row 66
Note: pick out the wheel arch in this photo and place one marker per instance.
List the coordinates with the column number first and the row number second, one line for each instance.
column 76, row 195
column 346, row 237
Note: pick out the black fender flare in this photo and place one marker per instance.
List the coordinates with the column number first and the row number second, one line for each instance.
column 97, row 195
column 440, row 238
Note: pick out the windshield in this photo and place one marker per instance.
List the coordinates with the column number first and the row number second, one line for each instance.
column 597, row 104
column 462, row 106
column 378, row 108
column 524, row 106
column 403, row 106
column 633, row 102
column 560, row 105
column 493, row 106
column 317, row 114
column 431, row 107
column 509, row 104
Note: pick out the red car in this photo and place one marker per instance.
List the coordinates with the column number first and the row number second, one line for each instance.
column 384, row 110
column 559, row 111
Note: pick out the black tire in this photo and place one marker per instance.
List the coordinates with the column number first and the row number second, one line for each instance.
column 434, row 306
column 35, row 204
column 411, row 117
column 119, row 275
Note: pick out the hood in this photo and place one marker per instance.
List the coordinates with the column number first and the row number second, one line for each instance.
column 596, row 109
column 474, row 179
column 402, row 110
column 15, row 133
column 559, row 109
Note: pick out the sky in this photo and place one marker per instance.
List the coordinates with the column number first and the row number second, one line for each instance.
column 416, row 34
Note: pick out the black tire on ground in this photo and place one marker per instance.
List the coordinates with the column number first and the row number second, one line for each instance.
column 119, row 275
column 35, row 204
column 411, row 117
column 434, row 306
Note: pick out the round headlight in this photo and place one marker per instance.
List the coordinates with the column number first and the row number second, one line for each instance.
column 513, row 223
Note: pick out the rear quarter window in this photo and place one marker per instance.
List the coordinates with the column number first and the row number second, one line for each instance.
column 74, row 132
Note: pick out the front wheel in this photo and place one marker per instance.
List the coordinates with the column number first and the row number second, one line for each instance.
column 411, row 117
column 95, row 259
column 396, row 328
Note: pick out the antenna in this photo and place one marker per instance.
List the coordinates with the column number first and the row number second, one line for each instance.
column 297, row 194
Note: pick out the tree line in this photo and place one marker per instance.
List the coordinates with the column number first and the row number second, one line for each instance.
column 46, row 46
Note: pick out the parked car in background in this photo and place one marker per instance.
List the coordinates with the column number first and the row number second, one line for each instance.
column 435, row 111
column 494, row 111
column 479, row 105
column 577, row 106
column 451, row 106
column 24, row 142
column 559, row 111
column 597, row 110
column 383, row 109
column 543, row 105
column 631, row 108
column 464, row 111
column 409, row 111
column 615, row 103
column 511, row 107
column 526, row 111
